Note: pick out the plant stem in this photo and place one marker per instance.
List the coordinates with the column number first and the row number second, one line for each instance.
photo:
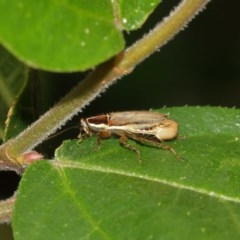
column 100, row 79
column 163, row 32
column 6, row 207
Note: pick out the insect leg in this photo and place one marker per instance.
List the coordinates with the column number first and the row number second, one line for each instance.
column 123, row 140
column 158, row 144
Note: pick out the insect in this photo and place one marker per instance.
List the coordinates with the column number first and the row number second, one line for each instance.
column 146, row 127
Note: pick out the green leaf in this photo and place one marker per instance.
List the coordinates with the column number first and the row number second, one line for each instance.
column 24, row 110
column 106, row 193
column 68, row 35
column 60, row 35
column 134, row 13
column 13, row 78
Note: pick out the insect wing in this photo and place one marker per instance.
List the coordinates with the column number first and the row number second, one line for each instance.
column 140, row 119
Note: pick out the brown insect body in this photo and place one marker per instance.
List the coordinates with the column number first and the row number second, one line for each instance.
column 143, row 126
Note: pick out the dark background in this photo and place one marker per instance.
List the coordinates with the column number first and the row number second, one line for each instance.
column 200, row 66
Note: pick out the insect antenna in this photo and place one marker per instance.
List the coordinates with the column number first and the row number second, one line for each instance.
column 61, row 132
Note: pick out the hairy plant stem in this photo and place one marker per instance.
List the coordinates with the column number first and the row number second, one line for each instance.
column 100, row 79
column 6, row 209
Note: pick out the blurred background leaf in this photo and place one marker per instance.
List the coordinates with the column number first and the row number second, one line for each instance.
column 135, row 13
column 65, row 36
column 13, row 78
